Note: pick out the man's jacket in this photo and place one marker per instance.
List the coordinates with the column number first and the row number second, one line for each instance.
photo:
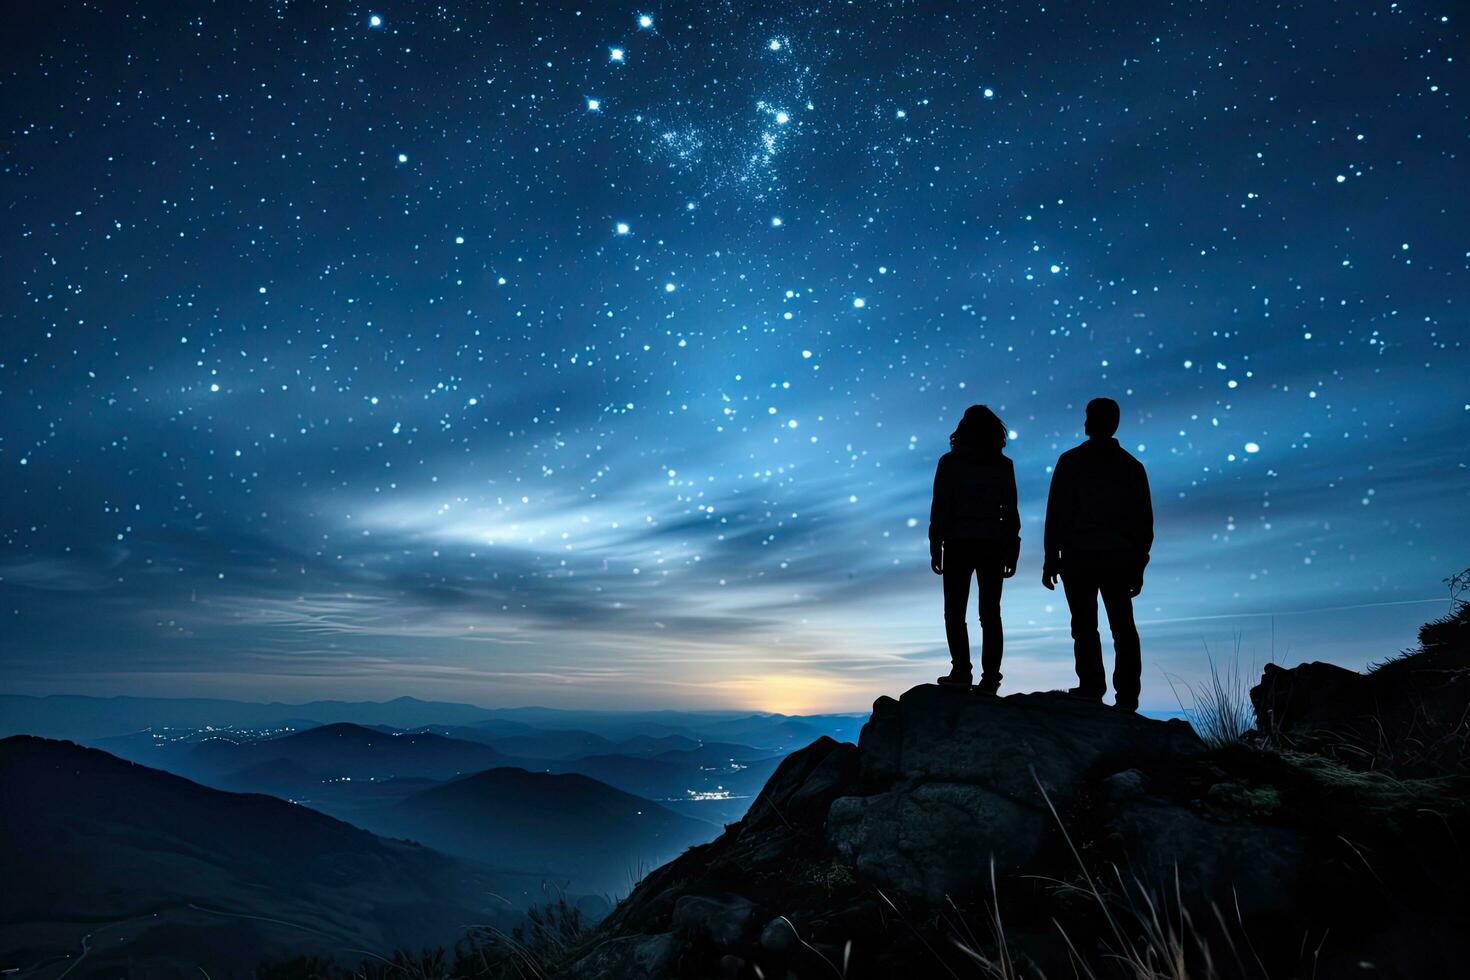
column 1099, row 502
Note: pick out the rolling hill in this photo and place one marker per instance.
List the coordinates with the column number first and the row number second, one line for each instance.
column 138, row 859
column 576, row 829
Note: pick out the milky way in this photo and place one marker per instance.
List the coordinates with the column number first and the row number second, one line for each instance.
column 526, row 353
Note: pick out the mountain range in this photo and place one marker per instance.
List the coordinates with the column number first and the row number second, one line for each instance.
column 112, row 860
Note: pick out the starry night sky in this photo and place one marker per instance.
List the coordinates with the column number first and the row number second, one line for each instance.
column 523, row 353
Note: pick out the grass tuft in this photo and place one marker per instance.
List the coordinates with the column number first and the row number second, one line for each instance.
column 1220, row 710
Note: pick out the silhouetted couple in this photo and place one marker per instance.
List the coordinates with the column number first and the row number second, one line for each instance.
column 1099, row 529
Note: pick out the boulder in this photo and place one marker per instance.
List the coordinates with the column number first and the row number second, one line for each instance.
column 938, row 734
column 951, row 780
column 630, row 957
column 723, row 919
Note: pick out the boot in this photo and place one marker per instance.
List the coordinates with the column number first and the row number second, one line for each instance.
column 957, row 677
column 1078, row 692
column 989, row 685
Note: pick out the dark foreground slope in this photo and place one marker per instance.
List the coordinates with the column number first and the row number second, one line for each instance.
column 1025, row 836
column 575, row 830
column 137, row 866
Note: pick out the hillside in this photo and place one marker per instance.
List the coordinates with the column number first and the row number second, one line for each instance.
column 92, row 843
column 576, row 829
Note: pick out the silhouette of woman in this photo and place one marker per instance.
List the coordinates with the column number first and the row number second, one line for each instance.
column 974, row 530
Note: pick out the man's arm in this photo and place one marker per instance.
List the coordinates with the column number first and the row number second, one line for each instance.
column 1144, row 533
column 1056, row 520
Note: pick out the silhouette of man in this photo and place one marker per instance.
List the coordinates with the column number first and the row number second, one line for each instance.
column 1099, row 529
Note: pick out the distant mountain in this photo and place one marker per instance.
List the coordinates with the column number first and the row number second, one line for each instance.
column 89, row 719
column 591, row 835
column 553, row 744
column 718, row 794
column 781, row 733
column 86, row 718
column 159, row 872
column 345, row 751
column 648, row 746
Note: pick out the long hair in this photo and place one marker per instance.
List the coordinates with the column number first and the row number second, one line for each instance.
column 980, row 429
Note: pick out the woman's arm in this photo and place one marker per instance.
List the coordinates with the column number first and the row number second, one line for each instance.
column 1011, row 514
column 939, row 511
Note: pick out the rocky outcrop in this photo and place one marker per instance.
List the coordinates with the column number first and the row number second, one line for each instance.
column 951, row 781
column 1410, row 715
column 889, row 858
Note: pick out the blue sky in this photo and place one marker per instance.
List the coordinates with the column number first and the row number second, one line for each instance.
column 457, row 357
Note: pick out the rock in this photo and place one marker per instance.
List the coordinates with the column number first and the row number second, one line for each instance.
column 1230, row 863
column 939, row 735
column 934, row 839
column 723, row 919
column 805, row 783
column 632, row 957
column 731, row 966
column 778, row 936
column 1406, row 715
column 1122, row 788
column 951, row 781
